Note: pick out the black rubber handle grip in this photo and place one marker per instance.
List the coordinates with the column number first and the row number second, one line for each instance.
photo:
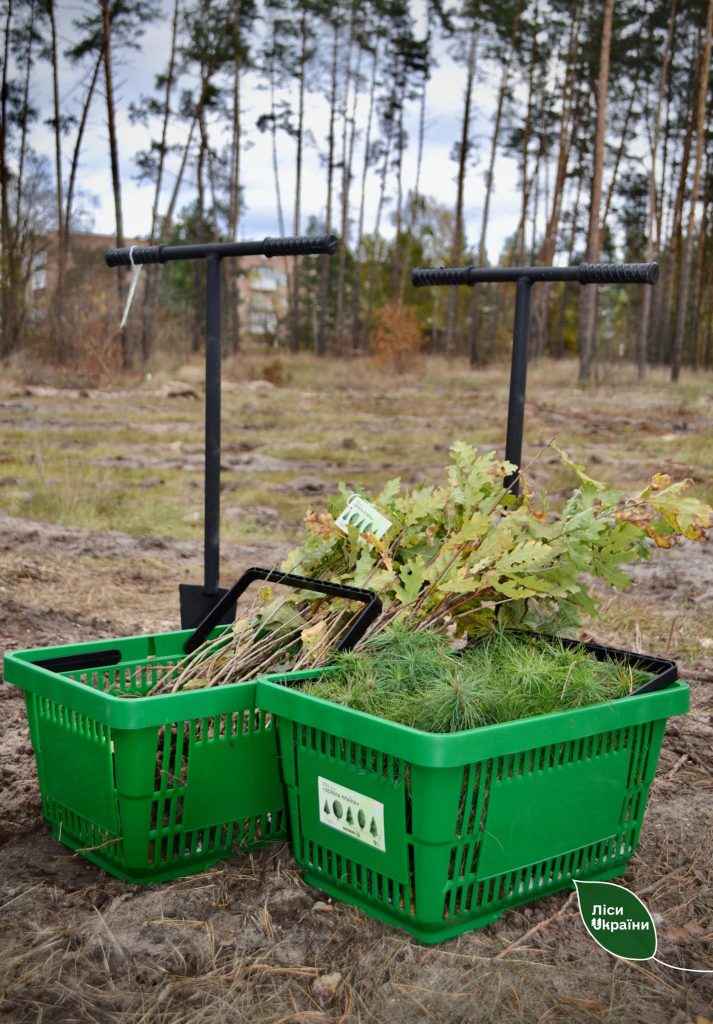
column 618, row 273
column 301, row 245
column 371, row 610
column 123, row 257
column 440, row 275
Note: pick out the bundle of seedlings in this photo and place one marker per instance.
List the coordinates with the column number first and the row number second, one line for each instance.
column 458, row 559
column 414, row 678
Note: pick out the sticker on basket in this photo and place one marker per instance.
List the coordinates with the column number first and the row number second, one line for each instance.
column 352, row 813
column 367, row 519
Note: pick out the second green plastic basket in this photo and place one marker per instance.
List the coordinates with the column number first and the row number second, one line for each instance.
column 439, row 834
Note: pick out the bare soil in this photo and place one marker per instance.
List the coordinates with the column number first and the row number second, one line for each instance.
column 247, row 940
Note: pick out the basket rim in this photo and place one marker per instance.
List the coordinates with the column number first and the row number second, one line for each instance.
column 21, row 670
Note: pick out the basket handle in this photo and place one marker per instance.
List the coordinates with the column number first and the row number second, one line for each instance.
column 370, row 611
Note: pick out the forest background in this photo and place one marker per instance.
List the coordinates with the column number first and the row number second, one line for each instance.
column 603, row 106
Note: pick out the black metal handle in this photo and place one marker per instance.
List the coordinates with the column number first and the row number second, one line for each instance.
column 372, row 604
column 618, row 273
column 123, row 257
column 302, row 245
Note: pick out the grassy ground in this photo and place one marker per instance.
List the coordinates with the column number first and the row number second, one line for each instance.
column 101, row 518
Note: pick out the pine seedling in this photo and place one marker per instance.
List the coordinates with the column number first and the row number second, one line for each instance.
column 412, row 677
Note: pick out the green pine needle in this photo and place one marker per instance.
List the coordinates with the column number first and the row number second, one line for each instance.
column 412, row 677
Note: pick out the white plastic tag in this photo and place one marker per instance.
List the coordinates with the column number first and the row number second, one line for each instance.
column 367, row 519
column 350, row 812
column 135, row 271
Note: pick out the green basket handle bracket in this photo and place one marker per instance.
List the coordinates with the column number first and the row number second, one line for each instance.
column 371, row 610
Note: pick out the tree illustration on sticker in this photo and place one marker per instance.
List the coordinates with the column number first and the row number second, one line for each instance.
column 617, row 920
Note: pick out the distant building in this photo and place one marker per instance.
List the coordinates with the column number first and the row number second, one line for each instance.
column 262, row 283
column 264, row 295
column 86, row 254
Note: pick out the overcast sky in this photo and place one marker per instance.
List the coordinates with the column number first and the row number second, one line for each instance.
column 135, row 75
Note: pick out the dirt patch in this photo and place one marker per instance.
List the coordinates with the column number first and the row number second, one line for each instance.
column 682, row 575
column 18, row 534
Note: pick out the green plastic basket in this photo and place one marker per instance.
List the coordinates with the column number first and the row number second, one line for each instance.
column 152, row 788
column 439, row 834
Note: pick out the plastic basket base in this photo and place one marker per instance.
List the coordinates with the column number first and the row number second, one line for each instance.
column 170, row 871
column 432, row 938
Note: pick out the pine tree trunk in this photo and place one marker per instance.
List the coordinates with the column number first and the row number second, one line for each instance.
column 694, row 353
column 58, row 327
column 519, row 247
column 234, row 204
column 558, row 352
column 24, row 126
column 4, row 171
column 476, row 354
column 167, row 219
column 651, row 251
column 198, row 265
column 348, row 140
column 502, row 93
column 356, row 296
column 371, row 273
column 275, row 161
column 325, row 263
column 672, row 269
column 126, row 354
column 541, row 295
column 463, row 151
column 152, row 282
column 397, row 258
column 415, row 196
column 700, row 130
column 74, row 166
column 7, row 328
column 13, row 258
column 295, row 310
column 588, row 299
column 663, row 212
column 617, row 159
column 708, row 348
column 273, row 137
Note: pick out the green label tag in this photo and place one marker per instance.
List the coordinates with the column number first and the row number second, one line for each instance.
column 364, row 517
column 617, row 920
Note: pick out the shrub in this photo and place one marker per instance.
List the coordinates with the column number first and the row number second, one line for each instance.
column 396, row 341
